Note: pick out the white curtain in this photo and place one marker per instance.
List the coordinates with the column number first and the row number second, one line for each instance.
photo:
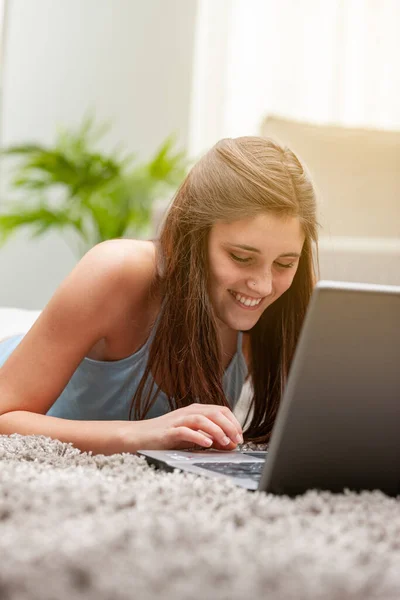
column 329, row 61
column 3, row 23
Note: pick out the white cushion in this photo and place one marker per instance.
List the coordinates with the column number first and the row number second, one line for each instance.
column 16, row 320
column 357, row 177
column 356, row 172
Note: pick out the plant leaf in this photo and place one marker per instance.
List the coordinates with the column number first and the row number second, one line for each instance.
column 41, row 219
column 100, row 195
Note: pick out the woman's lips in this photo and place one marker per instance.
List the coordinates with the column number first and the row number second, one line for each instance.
column 250, row 308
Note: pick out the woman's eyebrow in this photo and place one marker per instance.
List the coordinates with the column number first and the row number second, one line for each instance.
column 251, row 249
column 244, row 247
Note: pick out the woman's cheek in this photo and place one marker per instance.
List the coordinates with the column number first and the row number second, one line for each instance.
column 287, row 280
column 223, row 274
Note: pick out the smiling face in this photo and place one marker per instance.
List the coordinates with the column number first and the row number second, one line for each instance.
column 251, row 263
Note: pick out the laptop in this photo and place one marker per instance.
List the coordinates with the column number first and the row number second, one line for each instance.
column 338, row 424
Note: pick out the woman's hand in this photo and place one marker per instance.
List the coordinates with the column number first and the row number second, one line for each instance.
column 205, row 425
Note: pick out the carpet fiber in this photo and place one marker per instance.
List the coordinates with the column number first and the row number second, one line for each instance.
column 78, row 526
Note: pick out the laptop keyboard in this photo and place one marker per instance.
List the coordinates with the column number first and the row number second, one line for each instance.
column 243, row 470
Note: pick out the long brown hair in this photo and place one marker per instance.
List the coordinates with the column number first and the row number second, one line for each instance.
column 238, row 178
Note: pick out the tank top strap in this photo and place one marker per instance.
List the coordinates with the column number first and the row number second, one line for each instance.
column 154, row 328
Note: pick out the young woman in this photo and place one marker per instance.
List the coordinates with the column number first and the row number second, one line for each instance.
column 147, row 344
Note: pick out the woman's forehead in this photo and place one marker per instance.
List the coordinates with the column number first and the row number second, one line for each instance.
column 260, row 231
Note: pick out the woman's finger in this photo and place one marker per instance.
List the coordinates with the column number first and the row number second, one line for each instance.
column 226, row 424
column 210, row 410
column 212, row 427
column 229, row 415
column 186, row 434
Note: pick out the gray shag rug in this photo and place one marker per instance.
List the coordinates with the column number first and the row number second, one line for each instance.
column 76, row 526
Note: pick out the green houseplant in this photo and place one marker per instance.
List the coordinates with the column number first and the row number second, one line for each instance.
column 90, row 196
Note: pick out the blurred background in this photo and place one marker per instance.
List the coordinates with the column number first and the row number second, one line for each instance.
column 170, row 78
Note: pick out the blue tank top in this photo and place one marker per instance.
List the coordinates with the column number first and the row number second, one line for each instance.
column 103, row 390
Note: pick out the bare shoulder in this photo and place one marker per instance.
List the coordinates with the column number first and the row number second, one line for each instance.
column 123, row 270
column 120, row 258
column 119, row 264
column 126, row 281
column 111, row 277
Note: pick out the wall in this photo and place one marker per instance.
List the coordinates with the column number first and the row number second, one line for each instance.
column 129, row 59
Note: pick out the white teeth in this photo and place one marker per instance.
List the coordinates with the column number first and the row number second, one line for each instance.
column 246, row 301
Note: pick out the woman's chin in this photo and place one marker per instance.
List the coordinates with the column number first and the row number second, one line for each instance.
column 237, row 320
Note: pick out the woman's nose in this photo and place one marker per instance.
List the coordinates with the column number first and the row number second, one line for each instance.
column 262, row 286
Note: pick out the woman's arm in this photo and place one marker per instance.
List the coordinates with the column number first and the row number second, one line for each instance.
column 99, row 437
column 196, row 424
column 83, row 310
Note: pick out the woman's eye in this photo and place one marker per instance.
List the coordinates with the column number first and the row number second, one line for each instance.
column 246, row 260
column 238, row 259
